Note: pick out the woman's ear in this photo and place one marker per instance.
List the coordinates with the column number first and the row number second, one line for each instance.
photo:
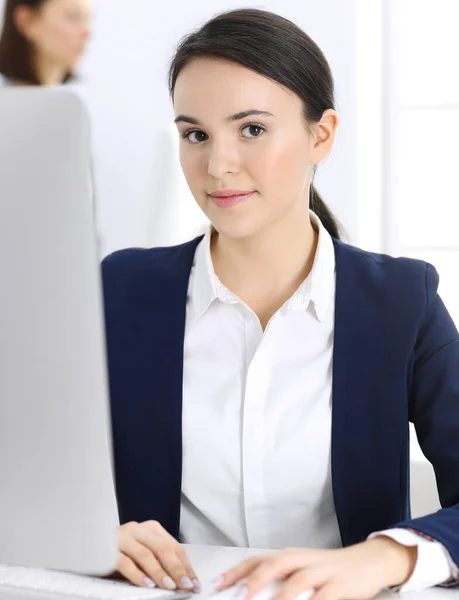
column 24, row 18
column 324, row 135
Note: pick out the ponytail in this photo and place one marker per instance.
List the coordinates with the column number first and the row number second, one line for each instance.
column 325, row 215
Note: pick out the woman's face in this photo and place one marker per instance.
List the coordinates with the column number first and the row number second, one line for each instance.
column 59, row 30
column 268, row 155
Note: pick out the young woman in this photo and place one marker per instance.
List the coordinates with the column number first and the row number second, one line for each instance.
column 43, row 40
column 263, row 377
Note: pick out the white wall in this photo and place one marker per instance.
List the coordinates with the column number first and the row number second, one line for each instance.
column 125, row 80
column 142, row 198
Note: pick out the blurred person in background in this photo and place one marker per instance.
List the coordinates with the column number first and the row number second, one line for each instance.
column 42, row 41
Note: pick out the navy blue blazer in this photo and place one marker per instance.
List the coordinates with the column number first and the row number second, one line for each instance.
column 396, row 359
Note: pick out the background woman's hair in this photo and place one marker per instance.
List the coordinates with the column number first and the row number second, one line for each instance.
column 16, row 52
column 275, row 48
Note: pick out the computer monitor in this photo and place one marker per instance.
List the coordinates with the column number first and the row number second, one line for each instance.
column 57, row 499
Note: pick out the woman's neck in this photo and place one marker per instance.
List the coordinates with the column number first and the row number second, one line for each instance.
column 49, row 72
column 265, row 270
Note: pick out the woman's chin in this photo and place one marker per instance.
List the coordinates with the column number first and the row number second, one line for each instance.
column 235, row 228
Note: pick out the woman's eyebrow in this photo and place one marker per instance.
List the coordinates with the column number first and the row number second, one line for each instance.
column 236, row 117
column 249, row 113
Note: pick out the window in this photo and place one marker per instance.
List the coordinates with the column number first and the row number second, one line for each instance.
column 408, row 152
column 420, row 200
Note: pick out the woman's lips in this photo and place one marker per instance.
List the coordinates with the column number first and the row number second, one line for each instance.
column 229, row 201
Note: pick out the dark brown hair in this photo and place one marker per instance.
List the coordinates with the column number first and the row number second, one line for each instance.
column 275, row 48
column 16, row 52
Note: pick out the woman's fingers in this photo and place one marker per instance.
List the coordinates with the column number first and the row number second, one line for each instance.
column 240, row 571
column 130, row 571
column 271, row 569
column 146, row 561
column 169, row 553
column 158, row 555
column 188, row 568
column 259, row 572
column 300, row 582
column 327, row 592
column 172, row 565
column 178, row 548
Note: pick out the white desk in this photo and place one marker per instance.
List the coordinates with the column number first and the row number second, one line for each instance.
column 210, row 561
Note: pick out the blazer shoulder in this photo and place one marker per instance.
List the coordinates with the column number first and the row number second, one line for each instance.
column 136, row 264
column 410, row 278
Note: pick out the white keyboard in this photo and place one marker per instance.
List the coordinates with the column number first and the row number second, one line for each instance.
column 80, row 586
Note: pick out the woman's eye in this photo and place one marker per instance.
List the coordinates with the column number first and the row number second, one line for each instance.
column 195, row 136
column 253, row 131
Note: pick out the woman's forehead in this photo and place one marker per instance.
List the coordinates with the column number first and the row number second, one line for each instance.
column 84, row 5
column 227, row 88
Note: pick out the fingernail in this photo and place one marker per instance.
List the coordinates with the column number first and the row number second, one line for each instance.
column 169, row 583
column 218, row 581
column 149, row 582
column 242, row 593
column 187, row 583
column 196, row 586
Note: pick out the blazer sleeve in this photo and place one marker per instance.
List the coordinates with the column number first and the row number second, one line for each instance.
column 434, row 411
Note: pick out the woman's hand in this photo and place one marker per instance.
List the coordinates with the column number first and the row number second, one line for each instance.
column 358, row 572
column 149, row 556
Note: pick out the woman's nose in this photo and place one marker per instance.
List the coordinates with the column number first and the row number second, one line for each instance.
column 223, row 158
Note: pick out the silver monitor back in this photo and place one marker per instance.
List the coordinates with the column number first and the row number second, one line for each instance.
column 57, row 500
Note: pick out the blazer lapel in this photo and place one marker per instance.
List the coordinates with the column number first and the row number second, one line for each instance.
column 145, row 308
column 368, row 431
column 167, row 367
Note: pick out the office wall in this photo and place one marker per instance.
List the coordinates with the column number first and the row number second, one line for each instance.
column 142, row 198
